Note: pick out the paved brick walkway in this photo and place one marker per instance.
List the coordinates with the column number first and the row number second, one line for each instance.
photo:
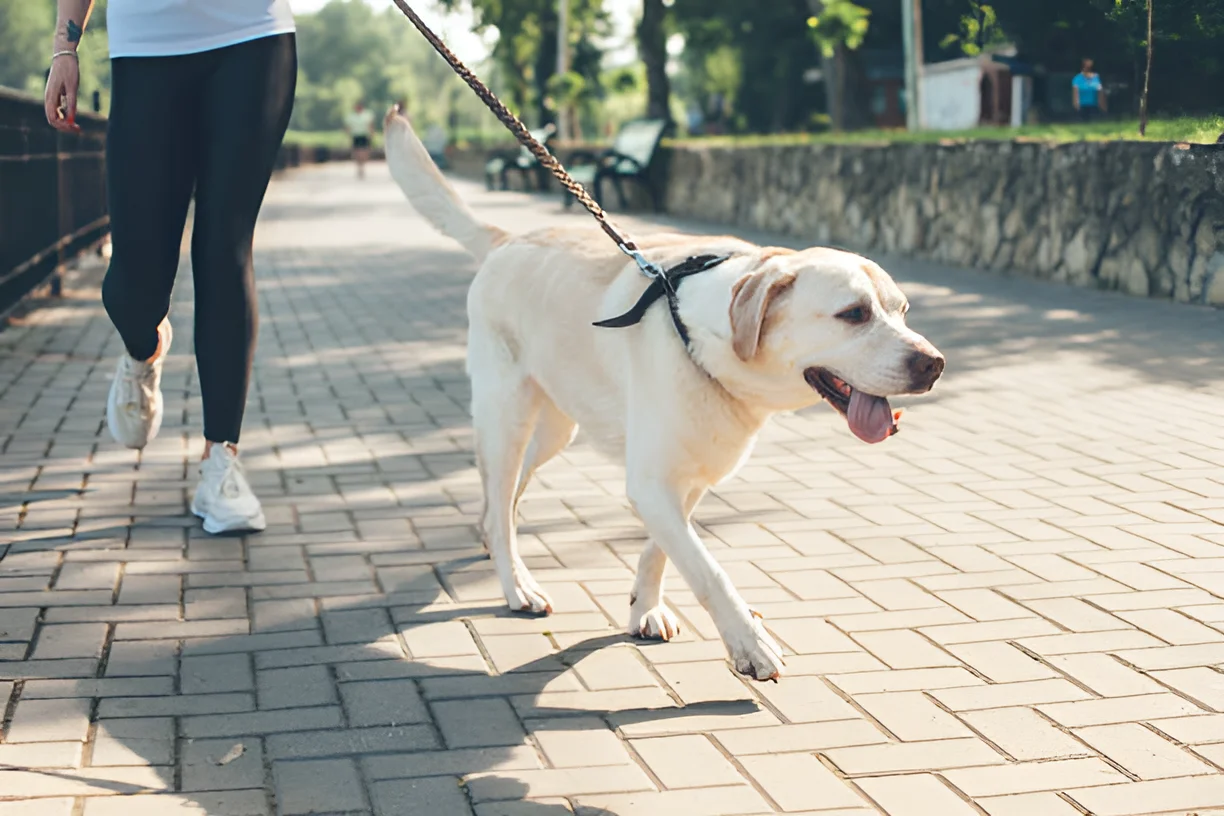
column 1015, row 607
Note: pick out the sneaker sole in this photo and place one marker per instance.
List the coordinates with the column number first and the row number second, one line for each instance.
column 255, row 524
column 154, row 429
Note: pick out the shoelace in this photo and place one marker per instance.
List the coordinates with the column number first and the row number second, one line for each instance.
column 233, row 479
column 137, row 383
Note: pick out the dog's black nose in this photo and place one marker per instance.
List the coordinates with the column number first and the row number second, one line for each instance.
column 925, row 368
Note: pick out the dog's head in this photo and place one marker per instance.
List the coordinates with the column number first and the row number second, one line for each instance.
column 822, row 324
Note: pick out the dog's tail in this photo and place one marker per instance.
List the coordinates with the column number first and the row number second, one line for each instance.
column 430, row 193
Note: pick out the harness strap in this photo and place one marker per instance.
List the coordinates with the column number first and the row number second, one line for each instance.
column 665, row 285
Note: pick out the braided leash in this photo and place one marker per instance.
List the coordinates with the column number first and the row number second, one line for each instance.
column 546, row 159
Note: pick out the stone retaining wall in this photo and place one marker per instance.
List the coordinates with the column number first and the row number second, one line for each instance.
column 1147, row 219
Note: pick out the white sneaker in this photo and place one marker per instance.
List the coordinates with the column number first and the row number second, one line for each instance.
column 224, row 498
column 134, row 408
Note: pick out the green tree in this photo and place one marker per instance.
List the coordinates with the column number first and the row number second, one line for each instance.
column 1147, row 76
column 767, row 46
column 1189, row 34
column 979, row 29
column 652, row 48
column 839, row 28
column 26, row 28
column 526, row 49
column 347, row 51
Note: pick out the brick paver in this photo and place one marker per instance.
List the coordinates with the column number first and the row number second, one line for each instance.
column 1014, row 607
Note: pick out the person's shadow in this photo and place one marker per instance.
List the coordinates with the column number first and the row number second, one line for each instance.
column 343, row 748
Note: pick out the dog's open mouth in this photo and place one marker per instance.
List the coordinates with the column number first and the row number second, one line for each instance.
column 870, row 418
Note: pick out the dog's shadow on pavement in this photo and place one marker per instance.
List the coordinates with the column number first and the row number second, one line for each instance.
column 305, row 716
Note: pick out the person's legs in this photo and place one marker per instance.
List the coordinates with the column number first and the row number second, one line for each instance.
column 246, row 102
column 361, row 153
column 150, row 170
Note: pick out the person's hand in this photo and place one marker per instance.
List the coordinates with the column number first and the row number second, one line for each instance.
column 60, row 101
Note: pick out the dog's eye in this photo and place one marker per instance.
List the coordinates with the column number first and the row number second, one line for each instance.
column 855, row 316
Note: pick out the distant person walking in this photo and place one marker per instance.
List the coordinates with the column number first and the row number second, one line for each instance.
column 359, row 124
column 201, row 94
column 1086, row 93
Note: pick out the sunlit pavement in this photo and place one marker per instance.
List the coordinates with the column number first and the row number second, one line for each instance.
column 1016, row 606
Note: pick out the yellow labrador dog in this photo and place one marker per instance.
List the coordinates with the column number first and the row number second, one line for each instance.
column 768, row 330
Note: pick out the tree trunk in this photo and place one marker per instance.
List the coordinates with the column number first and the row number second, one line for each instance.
column 830, row 74
column 520, row 93
column 652, row 46
column 511, row 78
column 846, row 88
column 854, row 89
column 828, row 70
column 1147, row 77
column 546, row 64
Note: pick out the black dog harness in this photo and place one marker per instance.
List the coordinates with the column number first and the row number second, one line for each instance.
column 665, row 284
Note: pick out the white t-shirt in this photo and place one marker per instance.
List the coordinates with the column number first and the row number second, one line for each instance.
column 161, row 28
column 359, row 122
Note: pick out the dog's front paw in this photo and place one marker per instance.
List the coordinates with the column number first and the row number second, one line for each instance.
column 659, row 623
column 757, row 655
column 528, row 598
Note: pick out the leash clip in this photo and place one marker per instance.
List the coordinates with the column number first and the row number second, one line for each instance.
column 647, row 268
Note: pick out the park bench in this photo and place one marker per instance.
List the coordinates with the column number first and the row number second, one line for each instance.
column 629, row 158
column 500, row 163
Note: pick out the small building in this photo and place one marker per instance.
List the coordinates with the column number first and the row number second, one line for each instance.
column 989, row 90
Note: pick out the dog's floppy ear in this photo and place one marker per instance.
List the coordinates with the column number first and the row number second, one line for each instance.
column 750, row 300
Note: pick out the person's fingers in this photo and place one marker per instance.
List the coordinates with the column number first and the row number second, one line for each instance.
column 70, row 101
column 51, row 101
column 63, row 117
column 60, row 97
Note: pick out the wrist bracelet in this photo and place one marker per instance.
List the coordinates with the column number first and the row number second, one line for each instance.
column 68, row 53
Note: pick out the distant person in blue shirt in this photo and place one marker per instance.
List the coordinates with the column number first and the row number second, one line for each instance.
column 1086, row 93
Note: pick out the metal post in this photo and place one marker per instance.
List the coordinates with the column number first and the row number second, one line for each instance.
column 563, row 130
column 911, row 34
column 63, row 214
column 919, row 62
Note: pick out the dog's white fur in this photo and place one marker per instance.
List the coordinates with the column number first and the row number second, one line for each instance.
column 680, row 421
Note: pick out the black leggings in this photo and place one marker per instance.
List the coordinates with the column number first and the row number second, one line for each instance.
column 211, row 122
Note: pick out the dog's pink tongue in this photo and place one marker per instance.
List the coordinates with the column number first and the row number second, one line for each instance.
column 870, row 418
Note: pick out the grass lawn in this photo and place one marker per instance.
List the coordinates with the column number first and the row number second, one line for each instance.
column 1203, row 130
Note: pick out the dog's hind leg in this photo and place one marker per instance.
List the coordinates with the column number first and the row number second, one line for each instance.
column 505, row 408
column 553, row 432
column 649, row 617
